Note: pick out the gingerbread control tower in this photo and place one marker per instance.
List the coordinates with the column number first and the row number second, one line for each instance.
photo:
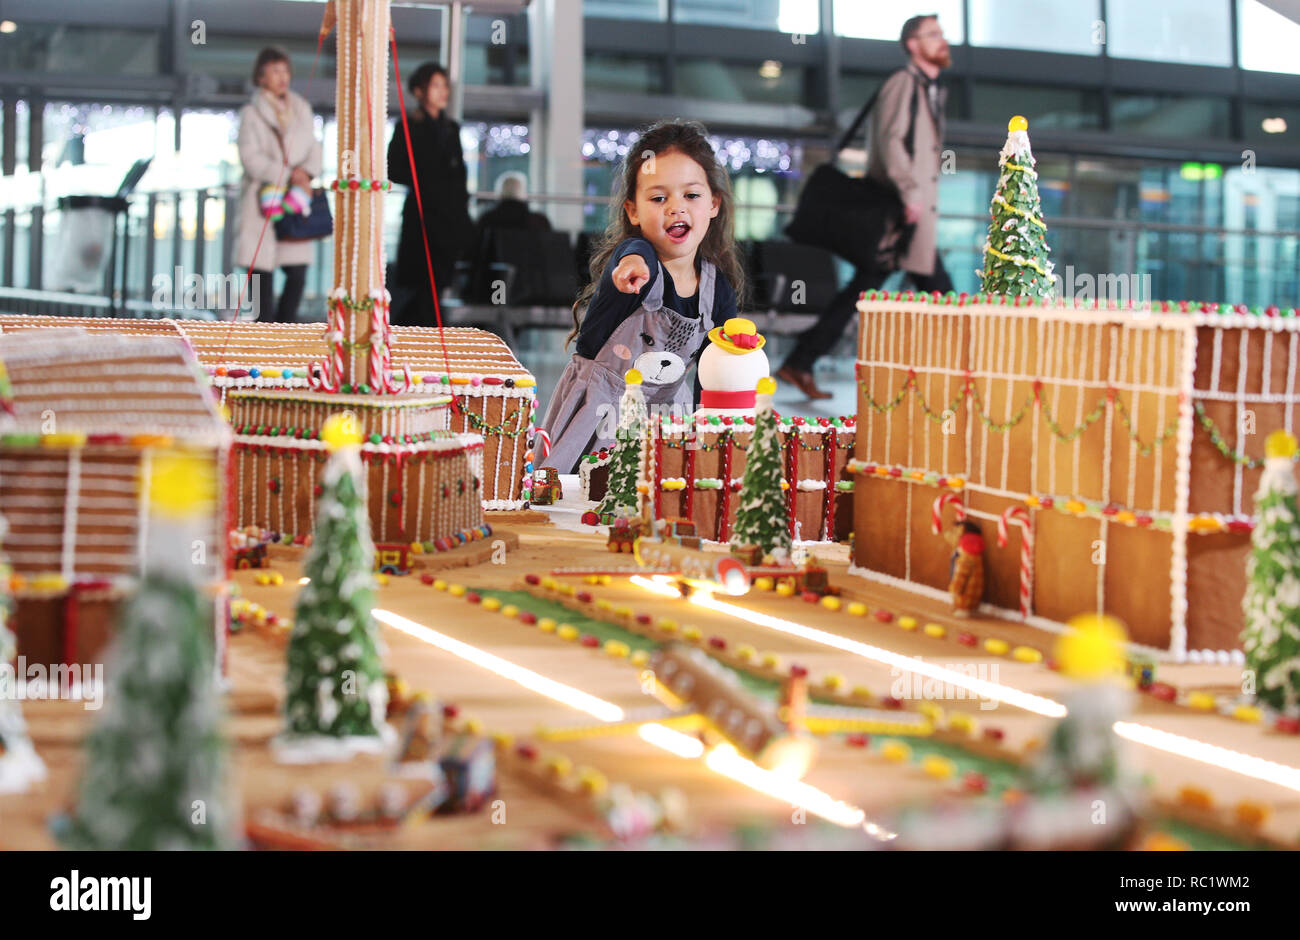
column 423, row 481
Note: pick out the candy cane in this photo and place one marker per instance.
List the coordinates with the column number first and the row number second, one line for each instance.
column 544, row 437
column 936, row 511
column 1020, row 515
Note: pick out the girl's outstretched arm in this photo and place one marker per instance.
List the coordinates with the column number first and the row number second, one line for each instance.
column 609, row 306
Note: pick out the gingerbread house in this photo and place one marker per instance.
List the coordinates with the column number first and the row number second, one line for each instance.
column 495, row 395
column 699, row 465
column 1109, row 455
column 87, row 414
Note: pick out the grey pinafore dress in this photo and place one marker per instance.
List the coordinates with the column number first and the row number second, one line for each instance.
column 659, row 342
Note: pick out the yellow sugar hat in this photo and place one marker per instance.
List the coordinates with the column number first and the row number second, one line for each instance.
column 1093, row 648
column 181, row 485
column 1280, row 444
column 738, row 336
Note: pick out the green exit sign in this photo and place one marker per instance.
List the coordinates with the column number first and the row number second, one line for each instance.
column 1201, row 171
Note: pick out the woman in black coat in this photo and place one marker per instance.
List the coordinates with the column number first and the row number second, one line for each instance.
column 440, row 163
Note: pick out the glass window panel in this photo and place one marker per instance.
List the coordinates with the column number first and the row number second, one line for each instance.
column 627, row 9
column 606, row 71
column 229, row 60
column 1274, row 123
column 1169, row 115
column 1194, row 31
column 93, row 50
column 770, row 83
column 1024, row 24
column 1268, row 40
column 1044, row 106
column 788, row 16
column 884, row 20
column 495, row 48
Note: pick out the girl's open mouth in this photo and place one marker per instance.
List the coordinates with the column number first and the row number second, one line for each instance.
column 678, row 232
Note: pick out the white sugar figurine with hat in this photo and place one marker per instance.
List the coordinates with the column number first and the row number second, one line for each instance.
column 730, row 368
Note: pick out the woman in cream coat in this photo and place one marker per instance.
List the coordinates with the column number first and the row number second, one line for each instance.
column 274, row 115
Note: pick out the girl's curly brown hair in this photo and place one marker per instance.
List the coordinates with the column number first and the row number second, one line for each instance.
column 719, row 244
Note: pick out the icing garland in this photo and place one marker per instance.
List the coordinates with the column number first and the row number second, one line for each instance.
column 1202, row 524
column 970, row 390
column 1020, row 212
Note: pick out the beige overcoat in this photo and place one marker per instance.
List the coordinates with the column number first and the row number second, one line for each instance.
column 915, row 176
column 260, row 153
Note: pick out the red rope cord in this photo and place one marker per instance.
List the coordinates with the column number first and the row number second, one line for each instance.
column 419, row 207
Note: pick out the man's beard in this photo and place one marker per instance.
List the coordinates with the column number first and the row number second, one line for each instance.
column 942, row 59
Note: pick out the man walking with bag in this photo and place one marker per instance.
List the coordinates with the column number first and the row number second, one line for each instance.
column 904, row 144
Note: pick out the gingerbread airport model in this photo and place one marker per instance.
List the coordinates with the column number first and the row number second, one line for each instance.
column 956, row 619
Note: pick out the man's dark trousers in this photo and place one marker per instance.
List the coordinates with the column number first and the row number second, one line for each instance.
column 819, row 338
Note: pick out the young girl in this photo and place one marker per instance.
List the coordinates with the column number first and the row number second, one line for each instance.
column 666, row 271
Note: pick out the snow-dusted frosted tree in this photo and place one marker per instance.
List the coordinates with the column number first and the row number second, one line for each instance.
column 625, row 462
column 1015, row 251
column 1083, row 750
column 19, row 764
column 761, row 518
column 155, row 775
column 1271, row 638
column 335, row 692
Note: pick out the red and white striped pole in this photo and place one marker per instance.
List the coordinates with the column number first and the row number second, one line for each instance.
column 1020, row 515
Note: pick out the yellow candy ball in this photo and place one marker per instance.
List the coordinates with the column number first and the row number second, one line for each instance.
column 491, row 603
column 785, row 589
column 896, row 752
column 1017, row 123
column 509, row 610
column 639, row 658
column 941, row 768
column 857, row 609
column 567, row 631
column 764, row 584
column 907, row 623
column 547, row 625
column 439, row 584
column 831, row 602
column 935, row 630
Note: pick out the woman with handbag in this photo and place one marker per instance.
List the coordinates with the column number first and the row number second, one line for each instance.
column 281, row 155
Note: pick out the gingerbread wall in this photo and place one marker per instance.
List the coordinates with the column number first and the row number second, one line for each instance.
column 1075, row 418
column 706, row 458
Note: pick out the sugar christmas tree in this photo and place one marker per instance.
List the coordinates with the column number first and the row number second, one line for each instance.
column 761, row 518
column 19, row 764
column 625, row 463
column 336, row 696
column 1083, row 750
column 1015, row 252
column 1271, row 638
column 155, row 760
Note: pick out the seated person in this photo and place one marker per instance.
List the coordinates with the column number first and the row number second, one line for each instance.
column 511, row 210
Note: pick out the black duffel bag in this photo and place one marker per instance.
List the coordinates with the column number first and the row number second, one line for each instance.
column 860, row 219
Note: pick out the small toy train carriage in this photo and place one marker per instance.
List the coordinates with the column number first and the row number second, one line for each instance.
column 392, row 558
column 547, row 490
column 679, row 530
column 250, row 556
column 469, row 765
column 622, row 534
